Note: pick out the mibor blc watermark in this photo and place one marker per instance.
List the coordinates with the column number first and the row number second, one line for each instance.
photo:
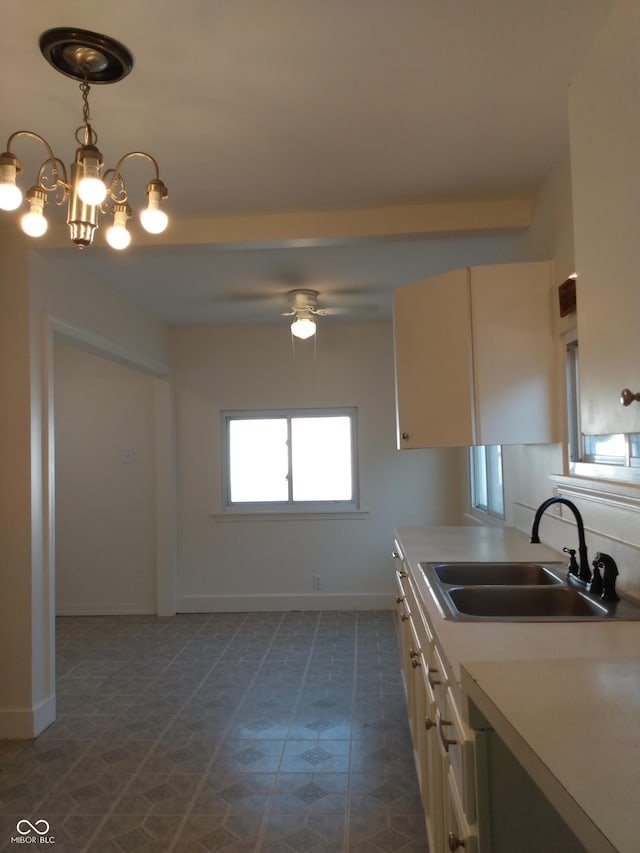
column 36, row 832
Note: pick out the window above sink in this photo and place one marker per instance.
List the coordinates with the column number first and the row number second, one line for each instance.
column 615, row 456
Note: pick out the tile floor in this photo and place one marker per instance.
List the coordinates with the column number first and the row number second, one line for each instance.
column 239, row 732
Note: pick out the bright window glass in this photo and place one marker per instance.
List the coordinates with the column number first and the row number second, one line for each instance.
column 321, row 459
column 606, row 448
column 616, row 455
column 495, row 485
column 301, row 457
column 258, row 460
column 487, row 487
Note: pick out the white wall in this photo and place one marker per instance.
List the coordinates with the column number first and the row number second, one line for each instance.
column 18, row 699
column 270, row 564
column 105, row 485
column 38, row 293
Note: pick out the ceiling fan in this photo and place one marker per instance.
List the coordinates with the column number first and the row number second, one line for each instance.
column 304, row 306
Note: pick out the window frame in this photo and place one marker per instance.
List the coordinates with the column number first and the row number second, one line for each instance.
column 488, row 467
column 290, row 507
column 582, row 461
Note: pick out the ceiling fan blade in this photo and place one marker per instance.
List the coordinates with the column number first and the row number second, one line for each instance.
column 348, row 309
column 253, row 297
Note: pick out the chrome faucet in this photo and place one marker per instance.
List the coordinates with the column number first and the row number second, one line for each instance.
column 584, row 572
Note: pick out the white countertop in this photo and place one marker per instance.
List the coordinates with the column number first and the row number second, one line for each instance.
column 565, row 697
column 574, row 725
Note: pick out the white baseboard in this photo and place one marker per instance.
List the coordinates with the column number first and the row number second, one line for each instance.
column 104, row 610
column 27, row 723
column 315, row 601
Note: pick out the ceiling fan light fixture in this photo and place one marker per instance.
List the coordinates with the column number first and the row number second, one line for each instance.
column 90, row 58
column 303, row 328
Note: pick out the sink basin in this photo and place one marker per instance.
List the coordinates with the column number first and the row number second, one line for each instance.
column 511, row 574
column 519, row 602
column 518, row 591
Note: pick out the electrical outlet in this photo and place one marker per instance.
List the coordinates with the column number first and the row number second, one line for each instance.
column 317, row 582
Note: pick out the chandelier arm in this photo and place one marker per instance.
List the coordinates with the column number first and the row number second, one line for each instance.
column 119, row 197
column 117, row 176
column 52, row 160
column 59, row 183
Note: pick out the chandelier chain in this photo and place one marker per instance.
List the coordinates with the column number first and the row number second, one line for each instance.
column 85, row 134
column 85, row 88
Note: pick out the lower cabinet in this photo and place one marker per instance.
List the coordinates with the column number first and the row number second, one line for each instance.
column 443, row 744
column 513, row 813
column 476, row 796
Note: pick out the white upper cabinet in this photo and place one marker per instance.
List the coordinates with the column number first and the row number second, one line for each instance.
column 476, row 358
column 604, row 113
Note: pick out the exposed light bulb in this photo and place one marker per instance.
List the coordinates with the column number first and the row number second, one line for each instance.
column 34, row 223
column 92, row 190
column 117, row 236
column 303, row 328
column 10, row 194
column 153, row 219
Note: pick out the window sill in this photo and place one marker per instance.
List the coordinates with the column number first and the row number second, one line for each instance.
column 619, row 493
column 485, row 518
column 292, row 515
column 598, row 472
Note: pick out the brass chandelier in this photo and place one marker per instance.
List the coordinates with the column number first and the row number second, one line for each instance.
column 89, row 58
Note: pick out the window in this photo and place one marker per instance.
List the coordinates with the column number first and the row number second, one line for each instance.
column 277, row 460
column 487, row 490
column 618, row 449
column 573, row 401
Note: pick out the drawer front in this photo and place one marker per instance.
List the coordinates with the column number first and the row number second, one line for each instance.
column 402, row 583
column 457, row 743
column 436, row 678
column 459, row 833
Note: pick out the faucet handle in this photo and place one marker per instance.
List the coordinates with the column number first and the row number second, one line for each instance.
column 596, row 587
column 573, row 565
column 610, row 573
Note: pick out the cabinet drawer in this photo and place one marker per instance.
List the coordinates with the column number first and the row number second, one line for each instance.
column 436, row 677
column 459, row 833
column 402, row 579
column 456, row 742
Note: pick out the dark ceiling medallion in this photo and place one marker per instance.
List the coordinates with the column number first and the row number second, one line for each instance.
column 84, row 55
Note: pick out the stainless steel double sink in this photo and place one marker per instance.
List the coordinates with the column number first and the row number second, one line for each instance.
column 517, row 592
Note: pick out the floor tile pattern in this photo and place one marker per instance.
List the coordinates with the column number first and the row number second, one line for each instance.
column 236, row 732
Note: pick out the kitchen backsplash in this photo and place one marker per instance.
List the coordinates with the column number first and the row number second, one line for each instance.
column 610, row 512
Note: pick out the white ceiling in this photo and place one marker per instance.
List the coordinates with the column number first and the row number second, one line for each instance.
column 267, row 106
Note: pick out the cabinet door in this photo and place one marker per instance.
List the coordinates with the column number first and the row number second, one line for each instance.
column 430, row 757
column 432, row 335
column 514, row 354
column 476, row 360
column 605, row 146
